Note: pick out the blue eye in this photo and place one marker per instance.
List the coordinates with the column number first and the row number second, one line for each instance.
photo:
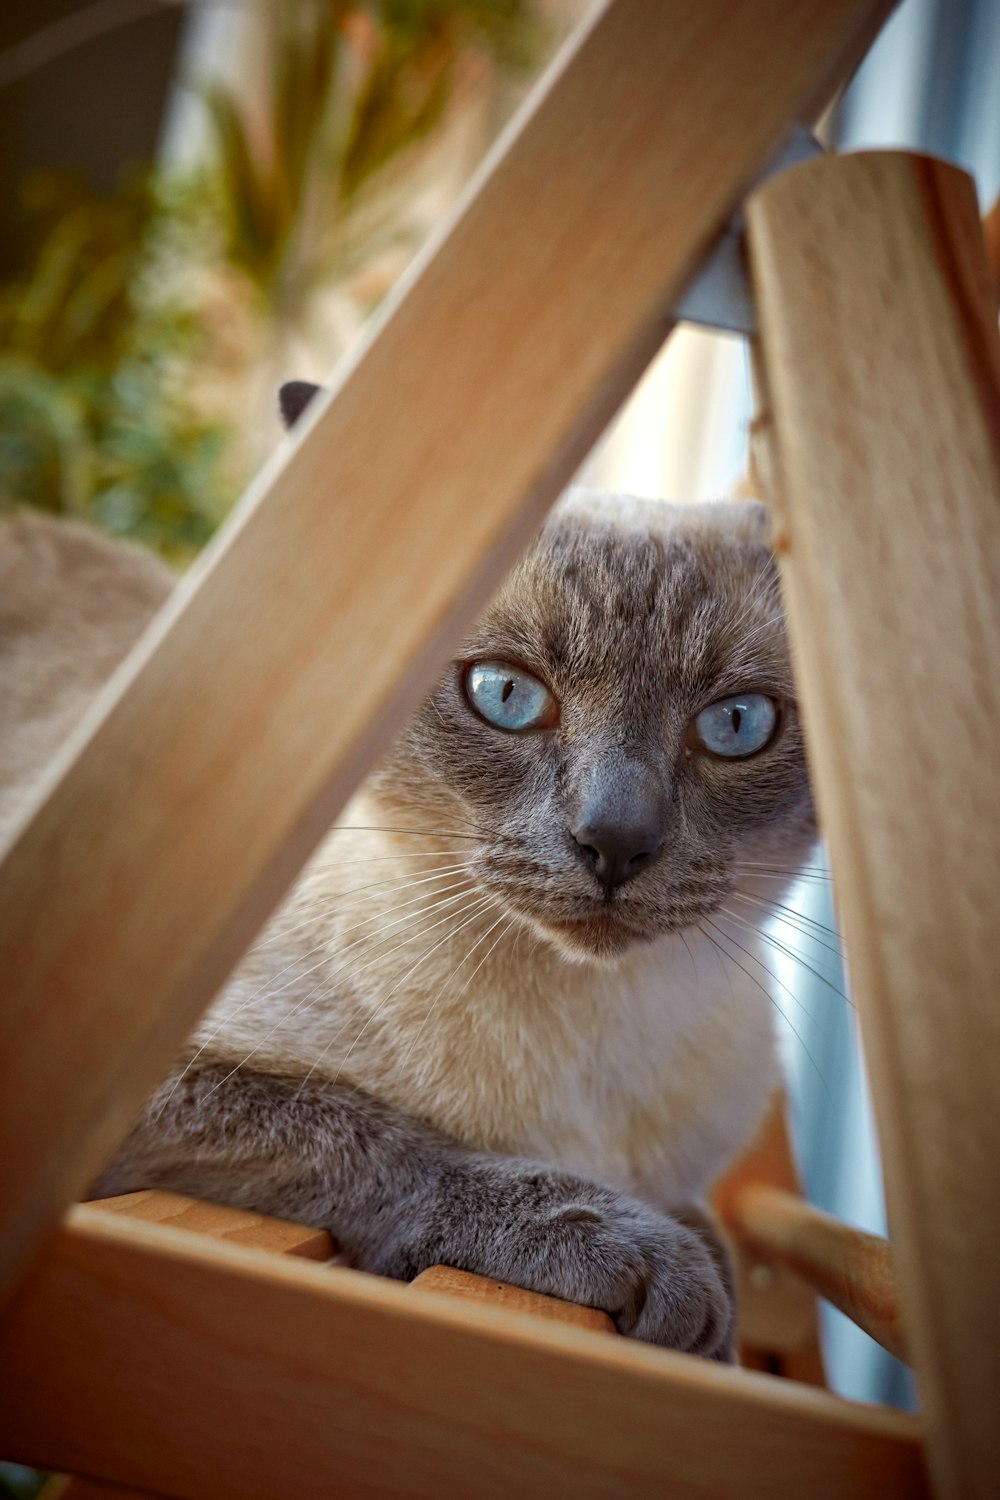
column 509, row 697
column 736, row 727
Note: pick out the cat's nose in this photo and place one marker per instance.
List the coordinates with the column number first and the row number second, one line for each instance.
column 619, row 830
column 617, row 854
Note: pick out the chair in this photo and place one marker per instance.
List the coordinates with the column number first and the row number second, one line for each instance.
column 146, row 1357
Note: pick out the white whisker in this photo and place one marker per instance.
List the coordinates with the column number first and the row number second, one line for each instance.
column 761, row 965
column 787, row 877
column 336, row 962
column 338, row 905
column 783, row 1013
column 760, row 629
column 378, row 958
column 796, row 920
column 787, row 951
column 437, row 998
column 287, row 1017
column 480, row 906
column 447, row 833
column 373, row 859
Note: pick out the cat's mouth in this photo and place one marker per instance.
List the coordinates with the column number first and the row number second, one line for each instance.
column 584, row 927
column 602, row 934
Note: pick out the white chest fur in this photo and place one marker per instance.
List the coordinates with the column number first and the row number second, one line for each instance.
column 647, row 1073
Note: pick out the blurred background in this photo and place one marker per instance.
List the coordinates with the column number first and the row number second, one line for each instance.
column 205, row 199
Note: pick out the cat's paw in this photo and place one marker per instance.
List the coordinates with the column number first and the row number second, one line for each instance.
column 654, row 1275
column 549, row 1231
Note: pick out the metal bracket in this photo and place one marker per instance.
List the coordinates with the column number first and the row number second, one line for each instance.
column 720, row 295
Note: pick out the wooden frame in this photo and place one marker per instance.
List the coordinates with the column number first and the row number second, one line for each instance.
column 882, row 365
column 171, row 1360
column 134, row 885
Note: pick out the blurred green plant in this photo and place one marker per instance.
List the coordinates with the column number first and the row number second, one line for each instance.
column 91, row 421
column 353, row 89
column 112, row 331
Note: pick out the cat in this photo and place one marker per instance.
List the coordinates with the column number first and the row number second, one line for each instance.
column 493, row 1025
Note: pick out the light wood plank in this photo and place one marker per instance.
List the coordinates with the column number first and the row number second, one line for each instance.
column 882, row 367
column 233, row 1225
column 991, row 234
column 778, row 1326
column 221, row 1223
column 851, row 1269
column 481, row 1289
column 157, row 1359
column 237, row 1227
column 277, row 672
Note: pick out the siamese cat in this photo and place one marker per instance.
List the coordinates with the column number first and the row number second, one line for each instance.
column 501, row 1021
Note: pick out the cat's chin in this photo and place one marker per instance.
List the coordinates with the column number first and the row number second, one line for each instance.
column 601, row 939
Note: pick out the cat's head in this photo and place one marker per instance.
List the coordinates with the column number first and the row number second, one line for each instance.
column 617, row 743
column 619, row 732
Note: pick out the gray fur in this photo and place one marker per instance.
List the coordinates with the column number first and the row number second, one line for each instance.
column 634, row 630
column 400, row 1196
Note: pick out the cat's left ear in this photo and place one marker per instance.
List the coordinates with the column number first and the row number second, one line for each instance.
column 293, row 398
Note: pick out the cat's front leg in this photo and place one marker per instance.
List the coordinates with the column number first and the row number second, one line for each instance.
column 660, row 1278
column 401, row 1196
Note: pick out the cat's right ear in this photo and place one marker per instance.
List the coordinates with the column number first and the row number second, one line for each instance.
column 293, row 398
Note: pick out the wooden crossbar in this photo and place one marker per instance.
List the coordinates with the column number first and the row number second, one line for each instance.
column 227, row 743
column 882, row 371
column 154, row 1358
column 778, row 1320
column 851, row 1269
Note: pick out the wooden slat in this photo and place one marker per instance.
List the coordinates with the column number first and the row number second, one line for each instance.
column 232, row 1225
column 237, row 1227
column 221, row 1223
column 480, row 1289
column 281, row 666
column 991, row 234
column 853, row 1270
column 156, row 1359
column 882, row 368
column 778, row 1314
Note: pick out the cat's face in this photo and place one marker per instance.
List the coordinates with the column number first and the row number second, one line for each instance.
column 619, row 733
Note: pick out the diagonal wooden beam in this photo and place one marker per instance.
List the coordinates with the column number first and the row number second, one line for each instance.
column 882, row 365
column 154, row 1358
column 230, row 739
column 851, row 1269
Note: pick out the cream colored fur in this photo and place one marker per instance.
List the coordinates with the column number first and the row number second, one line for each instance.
column 647, row 1073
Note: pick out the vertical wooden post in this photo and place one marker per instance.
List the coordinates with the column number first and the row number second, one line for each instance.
column 882, row 384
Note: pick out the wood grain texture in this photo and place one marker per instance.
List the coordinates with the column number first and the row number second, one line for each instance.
column 778, row 1313
column 227, row 743
column 491, row 1293
column 232, row 1224
column 158, row 1359
column 237, row 1227
column 991, row 234
column 882, row 368
column 851, row 1269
